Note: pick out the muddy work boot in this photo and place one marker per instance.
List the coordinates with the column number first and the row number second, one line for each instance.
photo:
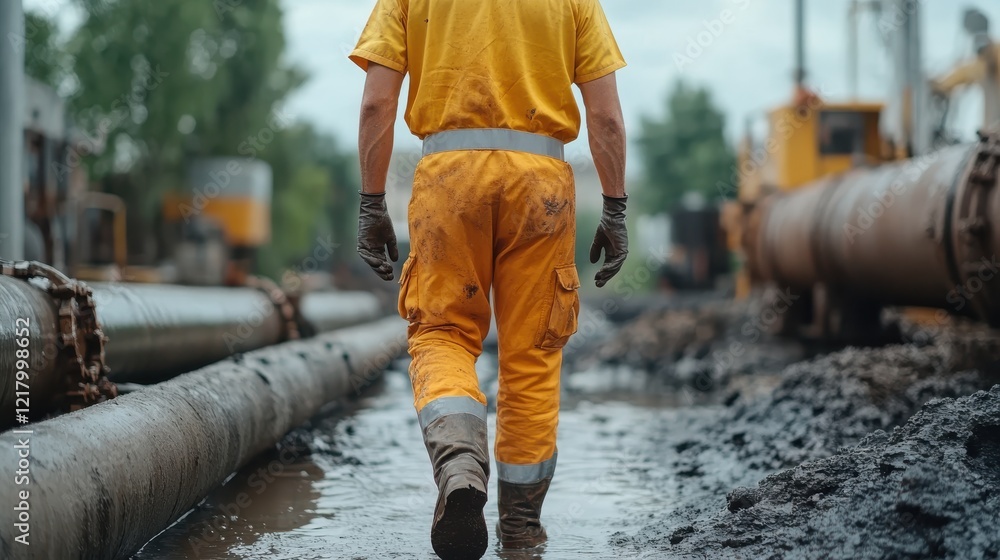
column 520, row 505
column 458, row 449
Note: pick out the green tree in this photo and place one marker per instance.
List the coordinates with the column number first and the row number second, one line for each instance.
column 45, row 58
column 253, row 77
column 167, row 81
column 156, row 85
column 315, row 200
column 685, row 150
column 141, row 67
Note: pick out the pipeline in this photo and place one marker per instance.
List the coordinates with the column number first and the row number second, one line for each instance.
column 156, row 331
column 150, row 332
column 923, row 232
column 106, row 479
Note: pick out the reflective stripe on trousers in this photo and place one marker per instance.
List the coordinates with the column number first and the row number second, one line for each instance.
column 446, row 406
column 527, row 474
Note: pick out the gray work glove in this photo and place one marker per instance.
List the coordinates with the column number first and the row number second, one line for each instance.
column 375, row 234
column 612, row 237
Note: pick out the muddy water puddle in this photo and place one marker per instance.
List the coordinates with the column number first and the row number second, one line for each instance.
column 365, row 491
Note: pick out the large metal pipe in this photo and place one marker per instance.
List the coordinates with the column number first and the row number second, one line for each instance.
column 159, row 330
column 12, row 49
column 27, row 326
column 185, row 327
column 155, row 331
column 924, row 232
column 328, row 311
column 105, row 480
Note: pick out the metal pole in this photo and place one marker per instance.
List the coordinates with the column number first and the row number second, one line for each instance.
column 853, row 18
column 12, row 50
column 800, row 42
column 920, row 95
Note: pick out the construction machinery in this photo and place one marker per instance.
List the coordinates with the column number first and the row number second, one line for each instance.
column 217, row 224
column 982, row 70
column 847, row 207
column 211, row 228
column 698, row 252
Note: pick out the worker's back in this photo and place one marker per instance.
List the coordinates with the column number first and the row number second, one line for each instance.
column 492, row 63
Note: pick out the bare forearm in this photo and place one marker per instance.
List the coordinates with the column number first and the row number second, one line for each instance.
column 607, row 145
column 606, row 127
column 375, row 145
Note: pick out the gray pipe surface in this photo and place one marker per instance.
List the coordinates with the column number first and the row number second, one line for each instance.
column 328, row 311
column 155, row 331
column 923, row 232
column 106, row 479
column 11, row 130
column 28, row 324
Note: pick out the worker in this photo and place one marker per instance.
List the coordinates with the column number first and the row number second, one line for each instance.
column 492, row 213
column 984, row 70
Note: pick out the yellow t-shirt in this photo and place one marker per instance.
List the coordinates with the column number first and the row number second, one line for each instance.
column 491, row 63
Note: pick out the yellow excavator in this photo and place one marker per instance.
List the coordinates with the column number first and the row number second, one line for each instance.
column 848, row 207
column 981, row 71
column 809, row 138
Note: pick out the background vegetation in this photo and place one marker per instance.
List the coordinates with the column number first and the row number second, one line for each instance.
column 155, row 85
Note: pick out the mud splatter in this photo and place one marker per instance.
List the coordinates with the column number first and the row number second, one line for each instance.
column 554, row 206
column 471, row 290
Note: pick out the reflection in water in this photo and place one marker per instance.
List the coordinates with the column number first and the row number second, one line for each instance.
column 366, row 491
column 275, row 493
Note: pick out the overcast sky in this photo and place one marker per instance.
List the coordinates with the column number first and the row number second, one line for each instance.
column 748, row 65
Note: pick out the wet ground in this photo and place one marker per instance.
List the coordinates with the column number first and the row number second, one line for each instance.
column 357, row 484
column 687, row 435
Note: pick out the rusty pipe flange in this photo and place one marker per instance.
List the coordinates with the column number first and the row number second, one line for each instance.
column 81, row 340
column 974, row 231
column 282, row 303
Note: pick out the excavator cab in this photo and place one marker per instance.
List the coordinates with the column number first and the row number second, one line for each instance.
column 808, row 139
column 815, row 140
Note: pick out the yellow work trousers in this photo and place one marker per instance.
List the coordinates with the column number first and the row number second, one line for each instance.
column 501, row 222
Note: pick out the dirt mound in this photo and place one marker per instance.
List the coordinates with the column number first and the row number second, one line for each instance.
column 927, row 490
column 702, row 346
column 818, row 408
